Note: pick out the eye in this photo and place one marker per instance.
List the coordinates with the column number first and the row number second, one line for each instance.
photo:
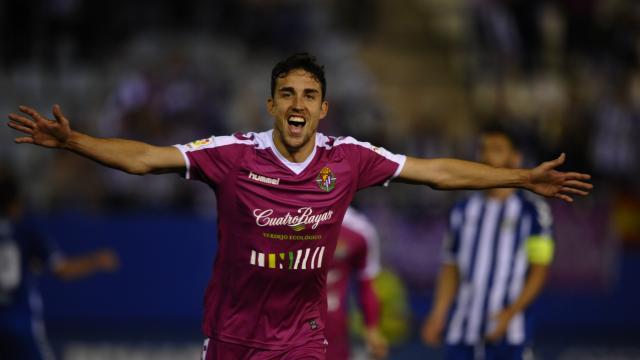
column 310, row 97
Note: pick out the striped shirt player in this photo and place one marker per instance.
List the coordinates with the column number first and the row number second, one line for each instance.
column 357, row 257
column 278, row 224
column 493, row 243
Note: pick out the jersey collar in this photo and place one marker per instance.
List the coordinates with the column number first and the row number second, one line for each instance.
column 297, row 168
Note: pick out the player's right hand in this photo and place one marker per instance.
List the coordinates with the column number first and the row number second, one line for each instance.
column 432, row 330
column 40, row 130
column 377, row 344
column 106, row 260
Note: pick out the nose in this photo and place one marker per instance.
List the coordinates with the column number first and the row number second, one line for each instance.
column 297, row 103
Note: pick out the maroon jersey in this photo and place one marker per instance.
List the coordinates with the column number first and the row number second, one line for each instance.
column 357, row 256
column 278, row 223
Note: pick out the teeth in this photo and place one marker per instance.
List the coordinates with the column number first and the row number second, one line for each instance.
column 296, row 119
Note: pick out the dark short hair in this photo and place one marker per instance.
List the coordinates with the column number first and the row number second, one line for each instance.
column 302, row 61
column 500, row 129
column 9, row 191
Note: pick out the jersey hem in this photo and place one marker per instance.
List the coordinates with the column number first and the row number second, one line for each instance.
column 258, row 344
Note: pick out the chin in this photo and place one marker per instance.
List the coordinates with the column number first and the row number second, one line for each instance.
column 295, row 143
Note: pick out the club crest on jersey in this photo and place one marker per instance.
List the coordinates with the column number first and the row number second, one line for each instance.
column 326, row 180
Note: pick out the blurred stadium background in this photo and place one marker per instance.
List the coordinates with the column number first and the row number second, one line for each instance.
column 417, row 77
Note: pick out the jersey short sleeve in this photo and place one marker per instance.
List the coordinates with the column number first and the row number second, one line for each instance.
column 375, row 165
column 211, row 159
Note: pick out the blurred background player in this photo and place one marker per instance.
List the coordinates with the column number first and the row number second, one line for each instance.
column 24, row 252
column 496, row 256
column 357, row 255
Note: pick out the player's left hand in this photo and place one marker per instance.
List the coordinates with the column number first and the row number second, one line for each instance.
column 501, row 321
column 377, row 344
column 546, row 181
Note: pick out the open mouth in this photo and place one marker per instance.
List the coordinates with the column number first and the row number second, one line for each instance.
column 296, row 124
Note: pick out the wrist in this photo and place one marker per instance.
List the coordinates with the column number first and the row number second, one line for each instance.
column 523, row 178
column 510, row 312
column 70, row 142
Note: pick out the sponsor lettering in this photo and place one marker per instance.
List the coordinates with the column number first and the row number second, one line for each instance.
column 291, row 237
column 263, row 179
column 305, row 217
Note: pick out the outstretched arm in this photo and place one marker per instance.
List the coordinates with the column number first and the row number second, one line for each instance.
column 84, row 265
column 130, row 156
column 451, row 174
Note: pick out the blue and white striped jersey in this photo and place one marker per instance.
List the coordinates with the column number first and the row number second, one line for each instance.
column 490, row 242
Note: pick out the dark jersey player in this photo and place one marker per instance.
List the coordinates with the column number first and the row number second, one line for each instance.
column 357, row 257
column 24, row 251
column 281, row 196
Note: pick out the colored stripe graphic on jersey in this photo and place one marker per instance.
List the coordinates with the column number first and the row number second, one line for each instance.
column 309, row 258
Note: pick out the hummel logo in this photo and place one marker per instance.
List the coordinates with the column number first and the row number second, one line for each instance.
column 263, row 179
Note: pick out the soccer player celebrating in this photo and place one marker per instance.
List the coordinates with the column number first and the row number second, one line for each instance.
column 23, row 252
column 496, row 255
column 357, row 253
column 281, row 196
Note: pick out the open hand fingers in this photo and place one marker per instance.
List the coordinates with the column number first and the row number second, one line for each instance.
column 19, row 119
column 570, row 190
column 24, row 140
column 563, row 197
column 577, row 176
column 31, row 112
column 555, row 163
column 578, row 184
column 57, row 112
column 21, row 128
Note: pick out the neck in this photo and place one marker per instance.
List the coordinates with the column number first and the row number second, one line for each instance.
column 500, row 193
column 297, row 154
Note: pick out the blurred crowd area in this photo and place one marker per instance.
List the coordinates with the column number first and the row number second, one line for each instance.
column 421, row 78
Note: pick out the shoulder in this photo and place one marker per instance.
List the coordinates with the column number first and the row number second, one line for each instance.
column 239, row 140
column 537, row 206
column 341, row 142
column 354, row 147
column 474, row 200
column 465, row 209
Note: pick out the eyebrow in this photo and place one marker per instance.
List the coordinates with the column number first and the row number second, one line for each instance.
column 305, row 91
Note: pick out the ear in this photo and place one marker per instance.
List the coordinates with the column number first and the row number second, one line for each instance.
column 271, row 106
column 324, row 109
